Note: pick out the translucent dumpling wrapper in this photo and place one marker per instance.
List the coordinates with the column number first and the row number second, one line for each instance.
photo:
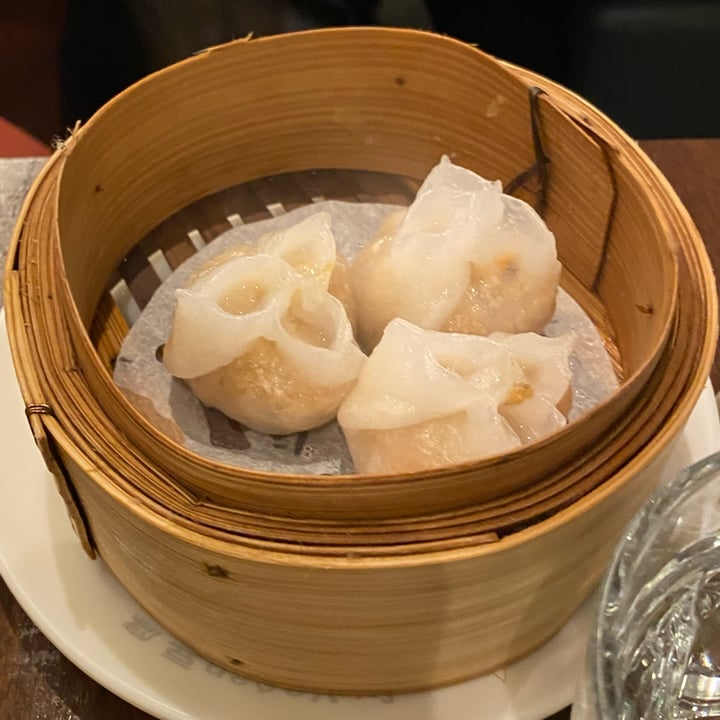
column 258, row 336
column 308, row 247
column 464, row 258
column 427, row 399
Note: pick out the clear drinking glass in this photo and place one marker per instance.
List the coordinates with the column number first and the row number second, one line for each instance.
column 654, row 652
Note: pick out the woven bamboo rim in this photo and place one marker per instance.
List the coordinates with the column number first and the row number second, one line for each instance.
column 144, row 503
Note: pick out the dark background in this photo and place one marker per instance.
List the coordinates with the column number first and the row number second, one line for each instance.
column 652, row 65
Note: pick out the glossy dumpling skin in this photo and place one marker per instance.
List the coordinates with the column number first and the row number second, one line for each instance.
column 257, row 335
column 464, row 257
column 427, row 399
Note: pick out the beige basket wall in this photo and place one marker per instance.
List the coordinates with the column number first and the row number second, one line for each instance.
column 392, row 583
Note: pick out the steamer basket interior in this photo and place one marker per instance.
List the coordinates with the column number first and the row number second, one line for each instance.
column 153, row 210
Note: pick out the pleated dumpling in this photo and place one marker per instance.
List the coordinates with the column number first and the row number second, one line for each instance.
column 427, row 399
column 464, row 257
column 257, row 335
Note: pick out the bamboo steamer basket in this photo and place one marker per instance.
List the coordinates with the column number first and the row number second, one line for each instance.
column 354, row 584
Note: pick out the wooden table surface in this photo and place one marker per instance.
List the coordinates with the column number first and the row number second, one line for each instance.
column 38, row 683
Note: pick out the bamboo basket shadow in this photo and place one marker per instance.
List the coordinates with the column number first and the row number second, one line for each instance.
column 350, row 583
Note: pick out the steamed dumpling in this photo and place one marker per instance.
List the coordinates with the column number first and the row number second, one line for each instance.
column 258, row 336
column 464, row 257
column 426, row 399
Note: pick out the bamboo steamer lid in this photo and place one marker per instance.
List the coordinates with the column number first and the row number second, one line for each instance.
column 355, row 583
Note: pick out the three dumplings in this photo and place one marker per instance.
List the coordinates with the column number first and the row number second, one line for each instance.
column 267, row 334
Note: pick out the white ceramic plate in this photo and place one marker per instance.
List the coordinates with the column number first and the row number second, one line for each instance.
column 83, row 610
